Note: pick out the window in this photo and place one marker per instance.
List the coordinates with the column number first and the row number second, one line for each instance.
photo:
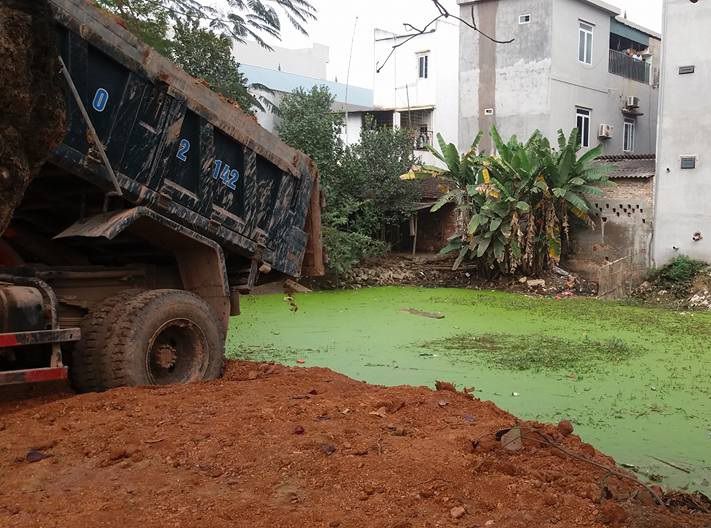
column 423, row 64
column 585, row 42
column 583, row 124
column 524, row 19
column 628, row 137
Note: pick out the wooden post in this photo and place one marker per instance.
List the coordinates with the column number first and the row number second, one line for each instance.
column 414, row 240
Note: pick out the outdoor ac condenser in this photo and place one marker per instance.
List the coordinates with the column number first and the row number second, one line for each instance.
column 632, row 102
column 605, row 131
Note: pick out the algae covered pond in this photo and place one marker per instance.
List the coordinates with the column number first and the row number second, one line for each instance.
column 636, row 382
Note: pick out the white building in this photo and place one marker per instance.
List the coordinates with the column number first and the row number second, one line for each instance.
column 683, row 182
column 283, row 70
column 417, row 87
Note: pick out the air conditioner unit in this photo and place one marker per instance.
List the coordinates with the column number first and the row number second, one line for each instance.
column 605, row 131
column 632, row 102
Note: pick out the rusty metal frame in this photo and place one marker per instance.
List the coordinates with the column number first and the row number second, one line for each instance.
column 122, row 46
column 201, row 261
column 40, row 337
column 18, row 377
column 92, row 131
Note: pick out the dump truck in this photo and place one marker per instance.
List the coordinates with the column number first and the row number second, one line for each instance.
column 157, row 204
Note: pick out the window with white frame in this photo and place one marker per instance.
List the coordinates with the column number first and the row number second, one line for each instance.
column 524, row 19
column 585, row 42
column 423, row 65
column 628, row 136
column 582, row 123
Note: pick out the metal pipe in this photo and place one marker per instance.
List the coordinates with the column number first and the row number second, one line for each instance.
column 92, row 131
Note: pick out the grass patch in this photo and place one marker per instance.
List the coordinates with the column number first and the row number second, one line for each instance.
column 679, row 274
column 537, row 353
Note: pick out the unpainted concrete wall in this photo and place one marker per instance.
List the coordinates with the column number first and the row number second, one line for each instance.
column 512, row 79
column 616, row 253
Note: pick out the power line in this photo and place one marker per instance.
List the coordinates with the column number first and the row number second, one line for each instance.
column 443, row 14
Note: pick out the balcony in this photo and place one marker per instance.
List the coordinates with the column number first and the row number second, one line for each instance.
column 625, row 66
column 423, row 139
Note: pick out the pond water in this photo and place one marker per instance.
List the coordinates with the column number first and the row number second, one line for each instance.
column 635, row 382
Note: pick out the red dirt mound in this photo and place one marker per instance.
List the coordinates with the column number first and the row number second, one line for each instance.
column 286, row 447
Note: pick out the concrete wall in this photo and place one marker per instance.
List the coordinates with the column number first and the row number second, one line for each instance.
column 537, row 81
column 592, row 86
column 398, row 86
column 309, row 62
column 682, row 196
column 512, row 79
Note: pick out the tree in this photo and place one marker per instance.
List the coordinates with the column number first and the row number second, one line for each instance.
column 362, row 183
column 242, row 19
column 517, row 205
column 308, row 124
column 208, row 56
column 146, row 19
column 370, row 177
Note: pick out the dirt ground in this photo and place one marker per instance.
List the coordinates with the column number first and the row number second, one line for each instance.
column 397, row 269
column 291, row 447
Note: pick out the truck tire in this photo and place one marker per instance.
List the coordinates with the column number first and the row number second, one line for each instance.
column 85, row 372
column 163, row 337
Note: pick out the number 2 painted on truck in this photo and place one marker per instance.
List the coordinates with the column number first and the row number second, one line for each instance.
column 183, row 150
column 220, row 171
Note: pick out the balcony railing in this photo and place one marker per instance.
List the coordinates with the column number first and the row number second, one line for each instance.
column 423, row 139
column 629, row 67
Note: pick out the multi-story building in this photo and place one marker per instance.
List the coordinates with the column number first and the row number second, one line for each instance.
column 283, row 70
column 683, row 181
column 416, row 83
column 571, row 63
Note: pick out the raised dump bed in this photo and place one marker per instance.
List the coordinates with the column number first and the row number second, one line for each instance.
column 162, row 204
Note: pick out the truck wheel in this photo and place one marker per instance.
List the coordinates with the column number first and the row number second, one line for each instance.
column 163, row 337
column 88, row 356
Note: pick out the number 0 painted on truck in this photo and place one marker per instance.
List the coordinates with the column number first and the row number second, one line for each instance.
column 101, row 99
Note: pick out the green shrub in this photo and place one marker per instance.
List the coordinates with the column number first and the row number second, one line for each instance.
column 681, row 271
column 345, row 250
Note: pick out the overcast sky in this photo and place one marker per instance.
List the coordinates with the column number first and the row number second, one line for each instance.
column 337, row 19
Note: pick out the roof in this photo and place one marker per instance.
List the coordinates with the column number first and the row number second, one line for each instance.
column 596, row 3
column 622, row 20
column 287, row 82
column 630, row 166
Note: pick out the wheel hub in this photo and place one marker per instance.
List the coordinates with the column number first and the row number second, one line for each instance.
column 166, row 356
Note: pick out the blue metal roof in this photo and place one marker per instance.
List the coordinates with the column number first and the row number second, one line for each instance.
column 288, row 82
column 623, row 30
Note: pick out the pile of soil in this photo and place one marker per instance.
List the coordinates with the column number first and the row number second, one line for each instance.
column 436, row 271
column 289, row 447
column 32, row 121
